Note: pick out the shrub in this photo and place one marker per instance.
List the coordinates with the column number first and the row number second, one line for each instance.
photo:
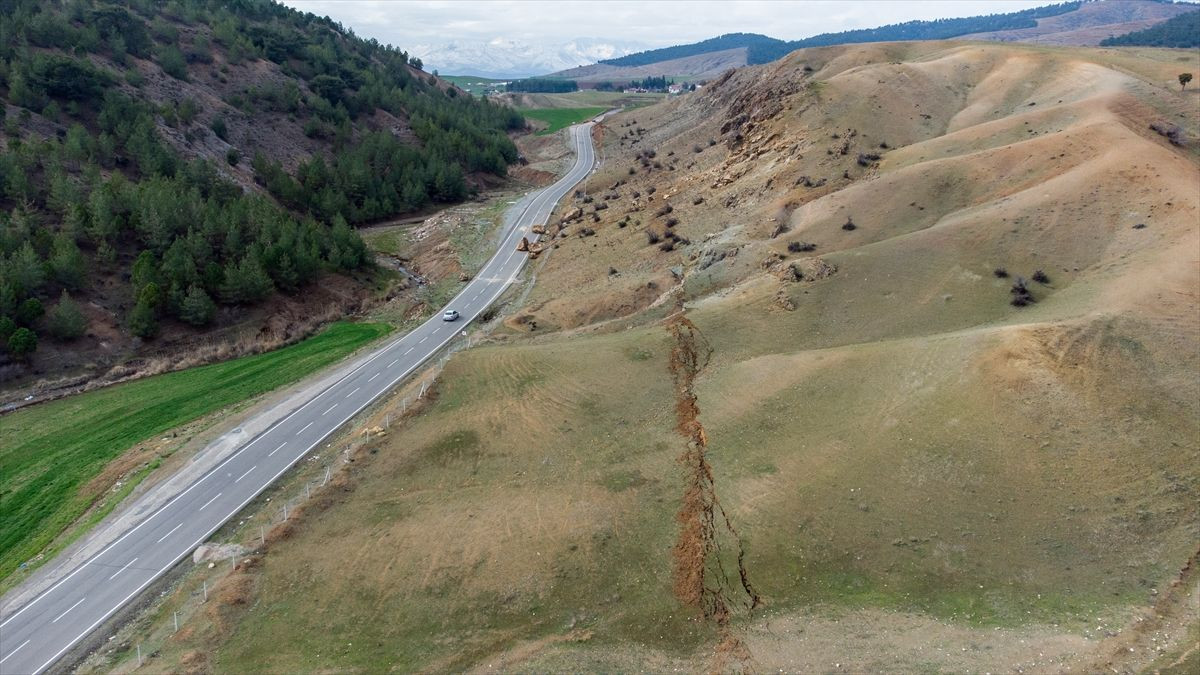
column 219, row 128
column 866, row 158
column 1021, row 294
column 652, row 237
column 232, row 156
column 1040, row 277
column 698, row 200
column 849, row 225
column 29, row 311
column 171, row 60
column 668, row 245
column 672, row 222
column 664, row 210
column 1000, row 273
column 22, row 342
column 800, row 246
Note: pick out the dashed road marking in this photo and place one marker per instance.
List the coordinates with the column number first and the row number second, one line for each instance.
column 247, row 473
column 68, row 610
column 14, row 651
column 160, row 540
column 277, row 449
column 306, row 426
column 372, row 377
column 209, row 502
column 114, row 576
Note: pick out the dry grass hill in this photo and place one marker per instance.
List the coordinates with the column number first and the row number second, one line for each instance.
column 770, row 403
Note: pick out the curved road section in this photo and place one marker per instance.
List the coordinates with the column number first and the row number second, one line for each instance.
column 35, row 636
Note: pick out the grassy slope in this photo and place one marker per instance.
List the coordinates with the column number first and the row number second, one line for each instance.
column 48, row 451
column 559, row 118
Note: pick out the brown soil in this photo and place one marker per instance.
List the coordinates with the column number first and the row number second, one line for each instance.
column 701, row 581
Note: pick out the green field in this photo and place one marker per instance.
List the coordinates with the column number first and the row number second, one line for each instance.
column 49, row 451
column 558, row 118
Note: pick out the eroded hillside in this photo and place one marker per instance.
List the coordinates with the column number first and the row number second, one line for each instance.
column 878, row 357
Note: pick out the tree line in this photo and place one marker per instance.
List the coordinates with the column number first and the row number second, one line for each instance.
column 107, row 196
column 543, row 85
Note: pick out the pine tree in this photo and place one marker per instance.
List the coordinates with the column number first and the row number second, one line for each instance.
column 67, row 264
column 65, row 320
column 196, row 307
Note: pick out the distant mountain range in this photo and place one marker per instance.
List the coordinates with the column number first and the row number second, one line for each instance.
column 1069, row 23
column 504, row 59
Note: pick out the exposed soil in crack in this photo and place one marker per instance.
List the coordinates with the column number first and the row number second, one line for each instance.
column 707, row 538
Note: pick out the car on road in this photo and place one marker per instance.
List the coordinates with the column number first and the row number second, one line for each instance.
column 450, row 315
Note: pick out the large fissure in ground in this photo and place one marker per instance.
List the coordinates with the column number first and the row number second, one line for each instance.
column 708, row 546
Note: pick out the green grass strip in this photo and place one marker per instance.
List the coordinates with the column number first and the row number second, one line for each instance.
column 48, row 451
column 559, row 118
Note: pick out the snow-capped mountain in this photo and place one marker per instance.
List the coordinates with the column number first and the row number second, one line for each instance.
column 503, row 58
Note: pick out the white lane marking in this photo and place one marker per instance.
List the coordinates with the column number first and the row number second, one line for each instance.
column 306, row 426
column 169, row 533
column 161, row 509
column 114, row 576
column 277, row 449
column 208, row 502
column 423, row 339
column 372, row 377
column 330, row 408
column 68, row 610
column 14, row 651
column 247, row 473
column 409, row 351
column 392, row 363
column 353, row 392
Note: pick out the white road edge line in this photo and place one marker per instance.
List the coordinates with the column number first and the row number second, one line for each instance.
column 209, row 502
column 14, row 651
column 123, row 568
column 169, row 533
column 69, row 609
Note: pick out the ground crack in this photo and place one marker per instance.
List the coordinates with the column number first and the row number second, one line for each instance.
column 701, row 579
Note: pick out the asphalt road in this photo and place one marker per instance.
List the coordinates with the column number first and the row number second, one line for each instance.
column 35, row 636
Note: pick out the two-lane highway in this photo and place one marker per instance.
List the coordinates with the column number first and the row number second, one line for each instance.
column 35, row 636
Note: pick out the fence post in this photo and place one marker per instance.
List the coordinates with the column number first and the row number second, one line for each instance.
column 139, row 655
column 205, row 583
column 176, row 622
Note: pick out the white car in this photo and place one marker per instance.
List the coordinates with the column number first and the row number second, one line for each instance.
column 450, row 315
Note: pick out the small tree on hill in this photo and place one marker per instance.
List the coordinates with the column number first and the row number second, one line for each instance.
column 65, row 320
column 22, row 343
column 197, row 308
column 1184, row 78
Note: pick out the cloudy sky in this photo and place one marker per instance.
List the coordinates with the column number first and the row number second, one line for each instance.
column 656, row 23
